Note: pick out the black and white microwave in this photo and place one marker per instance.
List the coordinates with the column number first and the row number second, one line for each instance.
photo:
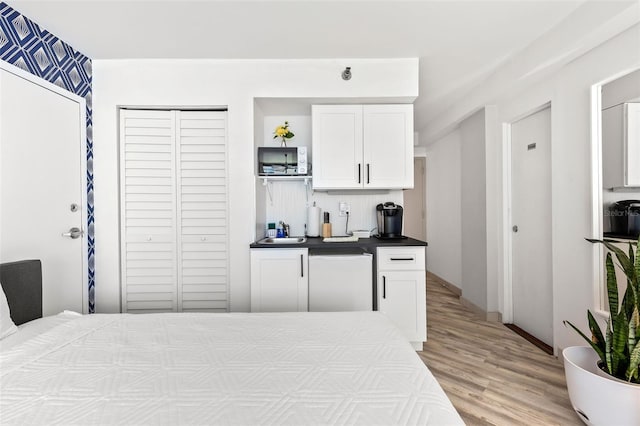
column 285, row 161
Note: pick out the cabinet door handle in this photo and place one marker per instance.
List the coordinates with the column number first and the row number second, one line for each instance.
column 368, row 173
column 359, row 173
column 302, row 265
column 402, row 258
column 384, row 287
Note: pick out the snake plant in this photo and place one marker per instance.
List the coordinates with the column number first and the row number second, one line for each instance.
column 619, row 346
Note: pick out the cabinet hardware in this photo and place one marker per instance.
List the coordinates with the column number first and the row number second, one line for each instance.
column 368, row 173
column 402, row 258
column 302, row 265
column 384, row 287
column 359, row 173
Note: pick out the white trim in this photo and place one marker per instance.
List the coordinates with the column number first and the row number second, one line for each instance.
column 82, row 106
column 507, row 240
column 596, row 200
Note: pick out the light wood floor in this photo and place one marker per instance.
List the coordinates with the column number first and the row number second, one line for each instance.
column 492, row 375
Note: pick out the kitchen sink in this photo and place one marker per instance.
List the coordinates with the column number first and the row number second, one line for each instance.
column 283, row 240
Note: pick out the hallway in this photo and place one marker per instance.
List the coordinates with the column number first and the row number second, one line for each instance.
column 492, row 375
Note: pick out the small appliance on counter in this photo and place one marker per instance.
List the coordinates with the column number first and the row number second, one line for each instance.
column 389, row 217
column 624, row 218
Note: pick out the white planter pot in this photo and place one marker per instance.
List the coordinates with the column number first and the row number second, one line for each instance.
column 599, row 400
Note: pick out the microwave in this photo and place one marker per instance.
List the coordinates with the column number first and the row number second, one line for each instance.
column 285, row 161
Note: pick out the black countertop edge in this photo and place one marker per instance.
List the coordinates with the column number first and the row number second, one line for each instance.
column 316, row 243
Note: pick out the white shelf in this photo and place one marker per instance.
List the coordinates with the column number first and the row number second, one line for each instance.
column 266, row 179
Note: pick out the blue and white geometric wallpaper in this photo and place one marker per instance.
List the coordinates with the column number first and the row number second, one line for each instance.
column 35, row 50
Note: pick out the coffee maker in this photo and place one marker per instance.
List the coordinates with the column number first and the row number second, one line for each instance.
column 389, row 217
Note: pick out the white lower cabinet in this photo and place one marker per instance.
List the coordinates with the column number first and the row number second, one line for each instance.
column 279, row 280
column 402, row 290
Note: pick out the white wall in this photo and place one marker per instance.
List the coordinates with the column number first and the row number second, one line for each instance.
column 568, row 89
column 569, row 92
column 474, row 209
column 444, row 229
column 233, row 84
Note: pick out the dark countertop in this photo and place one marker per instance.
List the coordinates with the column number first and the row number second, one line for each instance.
column 362, row 243
column 619, row 236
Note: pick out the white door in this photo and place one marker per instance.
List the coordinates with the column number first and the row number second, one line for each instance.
column 415, row 217
column 173, row 176
column 388, row 146
column 42, row 185
column 531, row 225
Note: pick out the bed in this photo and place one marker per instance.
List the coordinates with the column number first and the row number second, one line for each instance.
column 235, row 368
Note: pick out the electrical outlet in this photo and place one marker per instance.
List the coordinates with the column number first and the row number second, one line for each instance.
column 344, row 208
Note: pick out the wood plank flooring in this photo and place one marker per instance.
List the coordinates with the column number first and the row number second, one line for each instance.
column 492, row 375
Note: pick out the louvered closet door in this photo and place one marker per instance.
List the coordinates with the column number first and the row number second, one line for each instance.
column 202, row 211
column 174, row 211
column 148, row 213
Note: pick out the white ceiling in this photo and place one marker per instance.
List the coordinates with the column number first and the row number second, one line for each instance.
column 457, row 42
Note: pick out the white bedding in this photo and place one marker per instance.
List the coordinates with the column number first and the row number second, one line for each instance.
column 240, row 369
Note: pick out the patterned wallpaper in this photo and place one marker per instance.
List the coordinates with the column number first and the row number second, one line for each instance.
column 26, row 45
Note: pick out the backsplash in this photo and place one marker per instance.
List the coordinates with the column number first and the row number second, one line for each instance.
column 289, row 201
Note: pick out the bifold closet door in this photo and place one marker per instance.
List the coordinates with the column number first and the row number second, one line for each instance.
column 174, row 211
column 148, row 211
column 202, row 210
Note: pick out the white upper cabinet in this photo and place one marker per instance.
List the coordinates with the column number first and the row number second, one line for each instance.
column 362, row 146
column 621, row 146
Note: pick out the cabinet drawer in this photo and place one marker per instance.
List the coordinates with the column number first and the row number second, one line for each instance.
column 410, row 258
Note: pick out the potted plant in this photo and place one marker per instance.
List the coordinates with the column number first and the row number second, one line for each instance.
column 604, row 379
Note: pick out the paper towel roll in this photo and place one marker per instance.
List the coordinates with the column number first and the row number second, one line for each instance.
column 313, row 221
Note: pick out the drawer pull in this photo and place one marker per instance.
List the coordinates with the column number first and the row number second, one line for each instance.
column 402, row 258
column 384, row 287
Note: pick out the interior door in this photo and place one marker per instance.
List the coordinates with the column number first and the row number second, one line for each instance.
column 531, row 225
column 42, row 185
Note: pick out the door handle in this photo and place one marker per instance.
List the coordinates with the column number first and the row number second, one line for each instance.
column 302, row 265
column 359, row 173
column 73, row 233
column 368, row 173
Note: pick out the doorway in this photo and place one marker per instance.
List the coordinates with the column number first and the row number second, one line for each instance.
column 42, row 185
column 415, row 217
column 531, row 278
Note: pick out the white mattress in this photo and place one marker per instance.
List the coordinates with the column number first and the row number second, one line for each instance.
column 239, row 369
